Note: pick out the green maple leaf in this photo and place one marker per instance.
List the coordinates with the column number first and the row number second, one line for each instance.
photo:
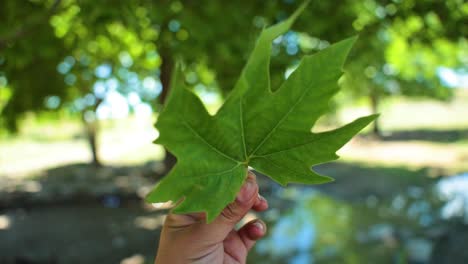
column 267, row 130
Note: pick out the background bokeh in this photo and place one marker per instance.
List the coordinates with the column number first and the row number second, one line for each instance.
column 82, row 82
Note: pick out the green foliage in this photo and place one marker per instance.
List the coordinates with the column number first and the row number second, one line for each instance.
column 256, row 126
column 71, row 39
column 402, row 43
column 28, row 66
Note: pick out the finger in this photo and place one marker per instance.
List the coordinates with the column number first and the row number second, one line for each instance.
column 244, row 201
column 238, row 243
column 261, row 204
column 176, row 221
column 236, row 210
column 234, row 247
column 225, row 222
column 251, row 232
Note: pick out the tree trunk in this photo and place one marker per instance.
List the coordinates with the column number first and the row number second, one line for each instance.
column 167, row 67
column 374, row 102
column 91, row 128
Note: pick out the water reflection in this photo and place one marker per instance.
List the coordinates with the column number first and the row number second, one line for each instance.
column 454, row 190
column 294, row 233
column 308, row 226
column 316, row 228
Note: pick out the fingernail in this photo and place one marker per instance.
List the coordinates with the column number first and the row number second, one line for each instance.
column 259, row 225
column 246, row 192
column 260, row 197
column 251, row 175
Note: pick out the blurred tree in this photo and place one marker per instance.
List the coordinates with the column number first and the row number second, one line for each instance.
column 85, row 50
column 110, row 59
column 402, row 46
column 93, row 37
column 402, row 43
column 29, row 54
column 72, row 63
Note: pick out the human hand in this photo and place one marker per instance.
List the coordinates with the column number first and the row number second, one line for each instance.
column 188, row 238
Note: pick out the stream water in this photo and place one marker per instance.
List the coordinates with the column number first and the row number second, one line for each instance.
column 416, row 224
column 413, row 226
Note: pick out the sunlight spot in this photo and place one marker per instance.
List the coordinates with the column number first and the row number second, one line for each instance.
column 149, row 83
column 103, row 71
column 70, row 79
column 135, row 259
column 114, row 106
column 4, row 222
column 133, row 98
column 323, row 44
column 99, row 89
column 143, row 191
column 32, row 187
column 448, row 76
column 155, row 134
column 143, row 111
column 149, row 223
column 454, row 190
column 162, row 206
column 278, row 40
column 112, row 84
column 174, row 25
column 125, row 59
column 152, row 88
column 52, row 102
column 290, row 70
column 63, row 68
column 292, row 49
column 3, row 81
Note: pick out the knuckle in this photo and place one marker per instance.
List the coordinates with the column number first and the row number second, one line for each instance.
column 231, row 212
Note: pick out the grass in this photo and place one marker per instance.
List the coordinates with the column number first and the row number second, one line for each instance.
column 50, row 144
column 446, row 158
column 400, row 113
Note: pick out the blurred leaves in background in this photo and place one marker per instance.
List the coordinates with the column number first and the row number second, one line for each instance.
column 74, row 54
column 81, row 75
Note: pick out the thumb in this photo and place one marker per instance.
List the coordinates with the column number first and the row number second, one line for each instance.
column 217, row 230
column 236, row 210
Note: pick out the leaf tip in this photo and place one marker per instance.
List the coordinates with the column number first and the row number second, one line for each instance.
column 299, row 10
column 322, row 179
column 327, row 179
column 352, row 40
column 371, row 118
column 149, row 198
column 340, row 51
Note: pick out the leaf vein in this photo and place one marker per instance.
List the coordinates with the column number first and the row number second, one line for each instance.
column 287, row 149
column 197, row 134
column 216, row 173
column 241, row 114
column 303, row 95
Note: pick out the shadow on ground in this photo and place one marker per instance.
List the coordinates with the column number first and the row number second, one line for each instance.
column 79, row 183
column 443, row 136
column 80, row 214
